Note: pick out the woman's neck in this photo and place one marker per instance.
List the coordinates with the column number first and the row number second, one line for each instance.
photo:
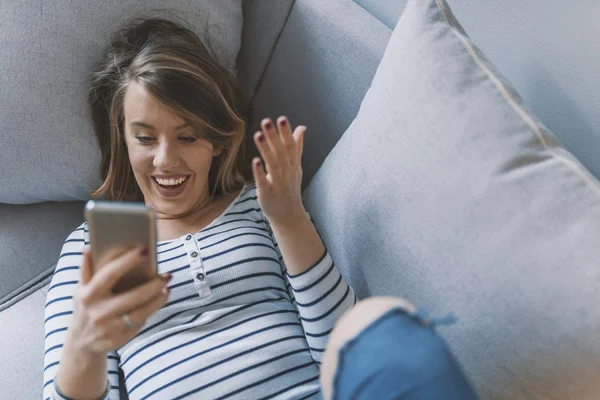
column 170, row 227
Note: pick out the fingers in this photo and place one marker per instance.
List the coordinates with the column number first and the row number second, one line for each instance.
column 109, row 273
column 134, row 298
column 274, row 141
column 87, row 269
column 139, row 315
column 142, row 313
column 299, row 139
column 287, row 139
column 265, row 151
column 260, row 176
column 279, row 150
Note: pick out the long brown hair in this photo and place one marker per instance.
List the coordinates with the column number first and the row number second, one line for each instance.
column 173, row 64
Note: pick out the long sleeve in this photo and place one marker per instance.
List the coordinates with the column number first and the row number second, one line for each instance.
column 58, row 313
column 321, row 296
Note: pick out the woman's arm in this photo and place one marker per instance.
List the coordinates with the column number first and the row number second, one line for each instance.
column 299, row 244
column 317, row 288
column 320, row 293
column 80, row 377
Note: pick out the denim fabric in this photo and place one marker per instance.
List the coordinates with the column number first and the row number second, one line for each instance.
column 399, row 356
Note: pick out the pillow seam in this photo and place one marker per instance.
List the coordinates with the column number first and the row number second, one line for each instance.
column 27, row 288
column 270, row 57
column 577, row 169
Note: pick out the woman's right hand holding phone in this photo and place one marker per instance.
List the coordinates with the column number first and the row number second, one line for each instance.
column 98, row 325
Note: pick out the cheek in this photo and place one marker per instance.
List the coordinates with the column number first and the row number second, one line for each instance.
column 140, row 159
column 199, row 161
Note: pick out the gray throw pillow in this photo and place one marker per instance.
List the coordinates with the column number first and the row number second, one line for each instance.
column 446, row 190
column 47, row 148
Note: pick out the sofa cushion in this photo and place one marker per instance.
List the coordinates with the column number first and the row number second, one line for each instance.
column 386, row 11
column 263, row 22
column 528, row 42
column 446, row 190
column 22, row 341
column 47, row 148
column 31, row 236
column 320, row 69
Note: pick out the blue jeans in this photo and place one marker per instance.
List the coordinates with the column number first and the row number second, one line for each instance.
column 399, row 356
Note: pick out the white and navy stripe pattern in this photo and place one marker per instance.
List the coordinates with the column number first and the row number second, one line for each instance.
column 235, row 325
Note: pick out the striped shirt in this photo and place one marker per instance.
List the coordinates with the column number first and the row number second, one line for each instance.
column 235, row 324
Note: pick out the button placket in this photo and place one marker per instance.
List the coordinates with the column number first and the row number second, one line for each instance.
column 196, row 266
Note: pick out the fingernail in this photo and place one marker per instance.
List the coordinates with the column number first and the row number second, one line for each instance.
column 165, row 290
column 261, row 138
column 144, row 252
column 258, row 162
column 268, row 125
column 283, row 122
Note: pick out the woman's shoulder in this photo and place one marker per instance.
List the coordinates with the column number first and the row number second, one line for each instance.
column 76, row 239
column 247, row 195
column 72, row 249
column 246, row 202
column 249, row 187
column 248, row 190
column 79, row 234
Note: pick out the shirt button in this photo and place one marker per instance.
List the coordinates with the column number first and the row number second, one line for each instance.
column 194, row 254
column 188, row 237
column 200, row 276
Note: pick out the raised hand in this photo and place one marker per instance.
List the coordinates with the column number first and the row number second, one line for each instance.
column 279, row 187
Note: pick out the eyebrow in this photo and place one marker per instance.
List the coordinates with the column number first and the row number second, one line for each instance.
column 148, row 126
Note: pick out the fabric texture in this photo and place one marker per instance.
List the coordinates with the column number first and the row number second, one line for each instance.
column 235, row 325
column 30, row 239
column 48, row 150
column 319, row 72
column 263, row 23
column 386, row 11
column 532, row 43
column 399, row 357
column 446, row 190
column 22, row 340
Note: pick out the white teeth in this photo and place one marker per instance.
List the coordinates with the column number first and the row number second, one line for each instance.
column 171, row 182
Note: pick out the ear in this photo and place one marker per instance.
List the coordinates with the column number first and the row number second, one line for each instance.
column 217, row 151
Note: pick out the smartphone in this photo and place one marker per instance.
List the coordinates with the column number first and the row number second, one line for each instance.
column 116, row 227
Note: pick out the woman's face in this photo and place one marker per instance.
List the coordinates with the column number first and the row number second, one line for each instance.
column 170, row 165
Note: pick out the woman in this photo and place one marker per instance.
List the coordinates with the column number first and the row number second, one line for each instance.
column 248, row 296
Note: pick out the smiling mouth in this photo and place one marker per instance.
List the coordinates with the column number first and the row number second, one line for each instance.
column 170, row 184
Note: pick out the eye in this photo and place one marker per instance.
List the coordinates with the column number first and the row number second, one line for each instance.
column 144, row 139
column 188, row 139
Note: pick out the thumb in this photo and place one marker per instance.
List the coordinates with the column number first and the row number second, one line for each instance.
column 87, row 266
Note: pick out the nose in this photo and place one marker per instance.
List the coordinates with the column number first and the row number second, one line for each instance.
column 166, row 157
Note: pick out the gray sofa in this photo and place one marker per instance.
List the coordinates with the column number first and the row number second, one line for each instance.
column 314, row 61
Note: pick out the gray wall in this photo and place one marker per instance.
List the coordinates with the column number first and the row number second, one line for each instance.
column 548, row 49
